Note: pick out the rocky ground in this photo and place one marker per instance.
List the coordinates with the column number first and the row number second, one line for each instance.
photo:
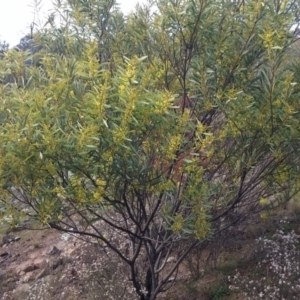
column 46, row 264
column 32, row 256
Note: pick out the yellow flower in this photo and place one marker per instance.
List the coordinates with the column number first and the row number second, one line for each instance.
column 178, row 223
column 122, row 89
column 264, row 216
column 201, row 226
column 164, row 103
column 174, row 144
column 268, row 39
column 119, row 135
column 263, row 201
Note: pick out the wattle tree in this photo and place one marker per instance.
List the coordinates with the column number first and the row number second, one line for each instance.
column 152, row 133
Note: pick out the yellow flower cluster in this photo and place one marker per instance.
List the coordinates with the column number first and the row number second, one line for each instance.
column 49, row 138
column 78, row 190
column 282, row 176
column 130, row 106
column 49, row 66
column 200, row 129
column 283, row 5
column 131, row 72
column 194, row 172
column 93, row 64
column 173, row 147
column 107, row 156
column 184, row 119
column 164, row 103
column 272, row 39
column 129, row 96
column 231, row 94
column 51, row 169
column 85, row 134
column 177, row 223
column 60, row 192
column 263, row 201
column 102, row 95
column 191, row 164
column 119, row 135
column 99, row 191
column 268, row 39
column 153, row 76
column 202, row 226
column 264, row 216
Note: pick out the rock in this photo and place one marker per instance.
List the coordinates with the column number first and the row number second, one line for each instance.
column 7, row 239
column 26, row 278
column 57, row 263
column 4, row 254
column 39, row 261
column 43, row 273
column 171, row 259
column 74, row 272
column 47, row 279
column 2, row 275
column 55, row 251
column 22, row 288
column 30, row 268
column 65, row 236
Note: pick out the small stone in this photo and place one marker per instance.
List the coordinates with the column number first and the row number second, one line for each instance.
column 57, row 263
column 7, row 239
column 2, row 275
column 54, row 251
column 3, row 254
column 30, row 268
column 22, row 288
column 42, row 274
column 74, row 272
column 171, row 259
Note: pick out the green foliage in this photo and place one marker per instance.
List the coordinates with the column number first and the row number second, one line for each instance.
column 218, row 292
column 190, row 288
column 229, row 267
column 159, row 124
